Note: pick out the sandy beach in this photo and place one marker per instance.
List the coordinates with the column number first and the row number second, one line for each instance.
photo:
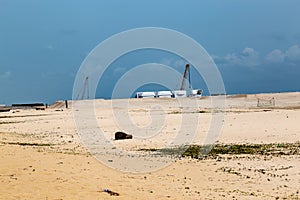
column 43, row 155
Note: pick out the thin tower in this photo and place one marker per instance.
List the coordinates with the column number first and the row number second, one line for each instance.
column 86, row 88
column 85, row 93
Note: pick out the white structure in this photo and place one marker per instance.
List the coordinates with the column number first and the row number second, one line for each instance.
column 196, row 93
column 145, row 95
column 169, row 94
column 176, row 93
column 179, row 93
column 164, row 94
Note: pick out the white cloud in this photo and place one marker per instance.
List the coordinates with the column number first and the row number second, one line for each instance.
column 49, row 46
column 251, row 58
column 276, row 56
column 5, row 75
column 180, row 64
column 293, row 53
column 174, row 63
column 290, row 56
column 248, row 57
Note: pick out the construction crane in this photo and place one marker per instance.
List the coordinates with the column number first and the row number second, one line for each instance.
column 86, row 88
column 85, row 92
column 187, row 70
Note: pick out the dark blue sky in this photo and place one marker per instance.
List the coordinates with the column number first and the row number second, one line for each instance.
column 255, row 44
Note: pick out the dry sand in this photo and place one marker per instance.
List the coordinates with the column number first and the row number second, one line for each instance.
column 42, row 156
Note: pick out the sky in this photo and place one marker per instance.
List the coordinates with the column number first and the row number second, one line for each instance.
column 255, row 44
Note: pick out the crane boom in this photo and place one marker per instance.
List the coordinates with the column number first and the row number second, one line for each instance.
column 187, row 66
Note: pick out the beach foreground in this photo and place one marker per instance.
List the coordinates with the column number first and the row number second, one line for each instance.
column 43, row 156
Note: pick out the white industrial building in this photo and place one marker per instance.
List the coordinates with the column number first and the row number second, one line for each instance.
column 145, row 95
column 164, row 94
column 181, row 93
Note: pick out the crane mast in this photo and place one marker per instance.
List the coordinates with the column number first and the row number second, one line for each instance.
column 187, row 70
column 85, row 88
column 85, row 93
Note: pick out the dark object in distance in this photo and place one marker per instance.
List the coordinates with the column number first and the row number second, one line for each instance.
column 218, row 94
column 111, row 192
column 4, row 109
column 40, row 108
column 66, row 102
column 27, row 104
column 122, row 136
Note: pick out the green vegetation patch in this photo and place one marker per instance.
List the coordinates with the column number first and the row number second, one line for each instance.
column 28, row 144
column 11, row 122
column 201, row 151
column 196, row 151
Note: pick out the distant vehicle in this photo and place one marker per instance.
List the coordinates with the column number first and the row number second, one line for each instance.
column 4, row 109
